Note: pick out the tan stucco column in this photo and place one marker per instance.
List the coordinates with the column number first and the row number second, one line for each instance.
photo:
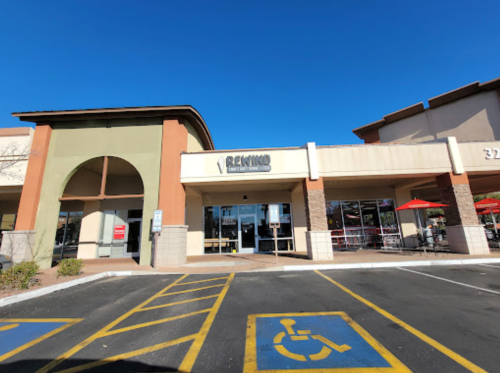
column 299, row 218
column 463, row 231
column 406, row 217
column 89, row 231
column 318, row 237
column 194, row 220
column 172, row 245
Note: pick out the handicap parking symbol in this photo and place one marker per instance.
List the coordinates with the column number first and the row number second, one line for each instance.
column 326, row 341
column 17, row 335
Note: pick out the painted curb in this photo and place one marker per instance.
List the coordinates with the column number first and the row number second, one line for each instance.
column 422, row 263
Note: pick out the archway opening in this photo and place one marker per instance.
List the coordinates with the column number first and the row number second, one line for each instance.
column 101, row 212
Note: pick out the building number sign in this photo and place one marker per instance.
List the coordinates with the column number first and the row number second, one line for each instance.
column 492, row 153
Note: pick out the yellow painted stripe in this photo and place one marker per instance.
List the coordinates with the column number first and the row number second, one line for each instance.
column 438, row 346
column 99, row 333
column 197, row 282
column 194, row 350
column 39, row 339
column 190, row 290
column 156, row 322
column 176, row 303
column 41, row 320
column 128, row 355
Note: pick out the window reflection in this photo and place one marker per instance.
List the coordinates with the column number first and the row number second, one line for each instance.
column 361, row 223
column 67, row 235
column 229, row 222
column 225, row 219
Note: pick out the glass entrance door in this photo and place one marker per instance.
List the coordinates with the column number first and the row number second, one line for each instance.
column 248, row 234
column 133, row 245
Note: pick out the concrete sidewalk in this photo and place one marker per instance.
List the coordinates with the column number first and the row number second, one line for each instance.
column 267, row 262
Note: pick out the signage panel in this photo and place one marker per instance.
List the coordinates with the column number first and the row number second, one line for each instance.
column 119, row 233
column 157, row 220
column 242, row 164
column 274, row 214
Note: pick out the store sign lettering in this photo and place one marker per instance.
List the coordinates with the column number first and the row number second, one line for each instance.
column 240, row 164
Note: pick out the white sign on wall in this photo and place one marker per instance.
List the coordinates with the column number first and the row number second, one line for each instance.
column 157, row 221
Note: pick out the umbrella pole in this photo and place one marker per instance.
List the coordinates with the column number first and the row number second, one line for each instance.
column 494, row 221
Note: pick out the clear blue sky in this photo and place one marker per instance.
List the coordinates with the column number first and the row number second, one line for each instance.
column 261, row 73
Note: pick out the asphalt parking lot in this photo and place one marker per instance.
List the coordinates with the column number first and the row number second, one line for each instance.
column 420, row 319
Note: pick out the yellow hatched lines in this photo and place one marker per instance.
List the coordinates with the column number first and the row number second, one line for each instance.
column 198, row 338
column 176, row 303
column 191, row 290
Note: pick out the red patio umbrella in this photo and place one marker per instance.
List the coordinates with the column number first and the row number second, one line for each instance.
column 489, row 204
column 486, row 203
column 489, row 211
column 418, row 204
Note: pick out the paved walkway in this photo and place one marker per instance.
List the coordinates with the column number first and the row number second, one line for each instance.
column 263, row 262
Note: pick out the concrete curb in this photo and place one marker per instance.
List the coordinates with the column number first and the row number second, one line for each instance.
column 51, row 289
column 413, row 263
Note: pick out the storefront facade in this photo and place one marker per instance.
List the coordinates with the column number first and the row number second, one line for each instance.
column 95, row 177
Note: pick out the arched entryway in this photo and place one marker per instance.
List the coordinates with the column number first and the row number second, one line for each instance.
column 101, row 211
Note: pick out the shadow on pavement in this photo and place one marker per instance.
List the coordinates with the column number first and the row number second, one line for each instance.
column 34, row 365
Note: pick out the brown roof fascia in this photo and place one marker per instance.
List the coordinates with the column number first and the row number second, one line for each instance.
column 454, row 95
column 404, row 113
column 126, row 112
column 490, row 85
column 15, row 131
column 368, row 127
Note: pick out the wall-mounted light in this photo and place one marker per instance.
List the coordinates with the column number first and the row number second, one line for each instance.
column 245, row 198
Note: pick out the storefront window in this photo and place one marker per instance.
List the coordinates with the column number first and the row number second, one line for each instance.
column 369, row 212
column 352, row 218
column 211, row 229
column 334, row 217
column 67, row 235
column 247, row 209
column 229, row 222
column 112, row 244
column 228, row 217
column 266, row 233
column 362, row 223
column 212, row 218
column 388, row 216
column 7, row 223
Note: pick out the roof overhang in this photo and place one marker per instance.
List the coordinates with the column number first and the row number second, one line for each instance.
column 187, row 111
column 434, row 102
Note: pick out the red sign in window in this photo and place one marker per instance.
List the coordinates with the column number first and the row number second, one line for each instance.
column 119, row 232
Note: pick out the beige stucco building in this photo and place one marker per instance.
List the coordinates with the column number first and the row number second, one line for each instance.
column 95, row 178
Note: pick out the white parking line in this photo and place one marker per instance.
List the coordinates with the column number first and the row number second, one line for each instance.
column 489, row 265
column 453, row 282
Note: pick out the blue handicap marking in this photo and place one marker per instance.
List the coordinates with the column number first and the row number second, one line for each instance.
column 329, row 340
column 14, row 335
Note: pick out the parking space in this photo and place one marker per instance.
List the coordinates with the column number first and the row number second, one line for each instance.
column 440, row 319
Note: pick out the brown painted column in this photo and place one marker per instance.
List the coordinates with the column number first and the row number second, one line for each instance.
column 172, row 198
column 171, row 247
column 318, row 238
column 30, row 196
column 463, row 231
